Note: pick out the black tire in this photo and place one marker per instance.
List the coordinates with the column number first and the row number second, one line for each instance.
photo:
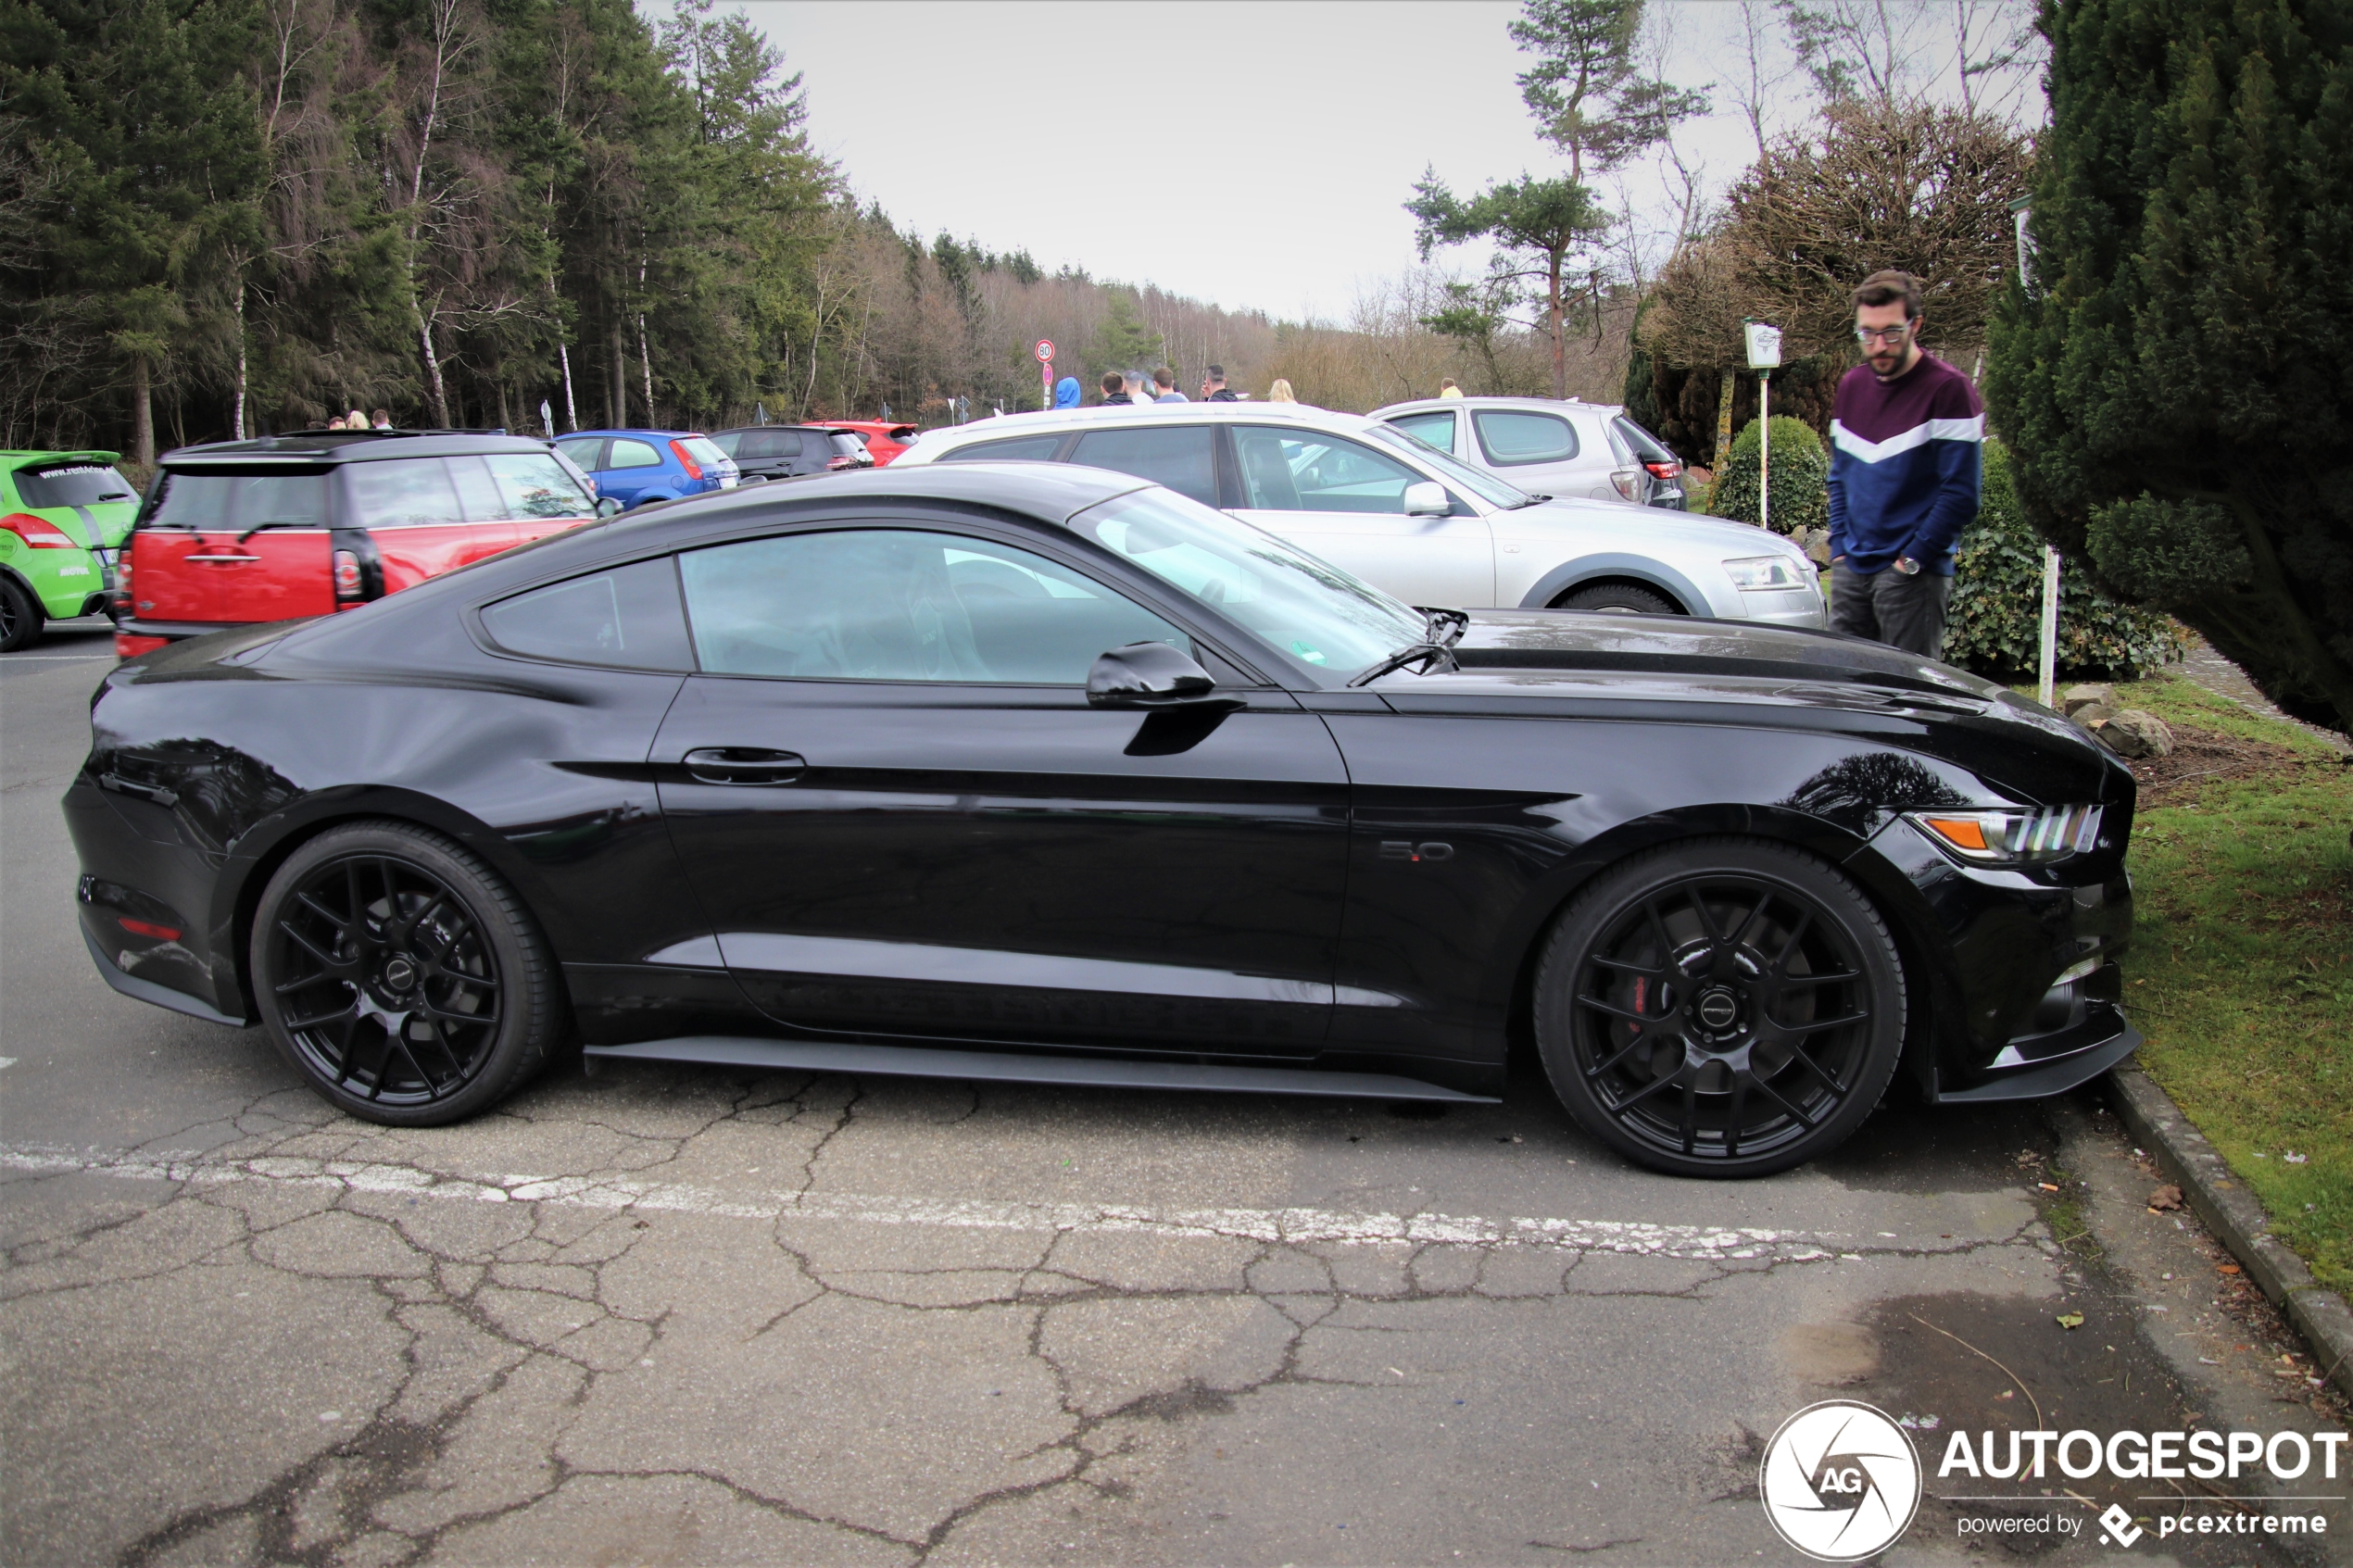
column 1723, row 1006
column 20, row 615
column 1619, row 598
column 401, row 977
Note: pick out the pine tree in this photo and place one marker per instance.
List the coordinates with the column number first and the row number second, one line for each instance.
column 2177, row 384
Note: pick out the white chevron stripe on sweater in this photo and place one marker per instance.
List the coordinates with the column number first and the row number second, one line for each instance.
column 1855, row 447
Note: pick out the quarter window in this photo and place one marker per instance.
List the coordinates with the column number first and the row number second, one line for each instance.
column 1436, row 430
column 403, row 493
column 627, row 617
column 1182, row 457
column 902, row 605
column 1294, row 470
column 1511, row 436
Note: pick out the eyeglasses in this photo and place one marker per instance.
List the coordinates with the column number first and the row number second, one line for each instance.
column 1888, row 335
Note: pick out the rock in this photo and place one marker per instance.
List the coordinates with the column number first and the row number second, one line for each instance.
column 2135, row 732
column 1820, row 554
column 2091, row 715
column 2084, row 696
column 2165, row 1197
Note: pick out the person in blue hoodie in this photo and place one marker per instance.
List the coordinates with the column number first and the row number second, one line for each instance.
column 1066, row 393
column 1906, row 434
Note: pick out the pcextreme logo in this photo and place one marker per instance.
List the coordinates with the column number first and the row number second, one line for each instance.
column 1840, row 1481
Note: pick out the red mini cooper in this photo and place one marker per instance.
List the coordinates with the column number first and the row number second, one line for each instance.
column 324, row 520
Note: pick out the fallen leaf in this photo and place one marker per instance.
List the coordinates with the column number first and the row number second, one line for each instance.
column 2071, row 1320
column 2165, row 1196
column 2226, row 1268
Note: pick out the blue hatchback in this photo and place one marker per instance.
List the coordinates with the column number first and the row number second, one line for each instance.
column 637, row 466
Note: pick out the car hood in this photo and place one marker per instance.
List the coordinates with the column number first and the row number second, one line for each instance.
column 1684, row 669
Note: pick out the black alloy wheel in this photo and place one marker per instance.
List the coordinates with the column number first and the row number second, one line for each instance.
column 1619, row 598
column 1721, row 1007
column 20, row 615
column 400, row 977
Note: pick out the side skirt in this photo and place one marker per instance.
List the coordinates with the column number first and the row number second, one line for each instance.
column 809, row 1056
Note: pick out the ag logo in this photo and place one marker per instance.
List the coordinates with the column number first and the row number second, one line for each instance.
column 1840, row 1481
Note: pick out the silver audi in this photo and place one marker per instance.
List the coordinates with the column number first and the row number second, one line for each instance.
column 1409, row 519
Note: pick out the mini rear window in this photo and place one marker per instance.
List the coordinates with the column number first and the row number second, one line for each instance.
column 214, row 498
column 1021, row 448
column 76, row 484
column 628, row 618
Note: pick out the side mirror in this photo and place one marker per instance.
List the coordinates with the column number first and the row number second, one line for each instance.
column 1427, row 497
column 609, row 505
column 1147, row 676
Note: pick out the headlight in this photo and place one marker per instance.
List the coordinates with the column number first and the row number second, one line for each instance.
column 1765, row 571
column 2013, row 837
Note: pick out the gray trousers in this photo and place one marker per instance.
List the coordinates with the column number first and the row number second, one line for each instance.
column 1887, row 607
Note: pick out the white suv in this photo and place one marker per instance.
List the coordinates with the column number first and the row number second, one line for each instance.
column 1411, row 520
column 1552, row 448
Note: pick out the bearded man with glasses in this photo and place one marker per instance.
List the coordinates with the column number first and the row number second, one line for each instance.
column 1906, row 434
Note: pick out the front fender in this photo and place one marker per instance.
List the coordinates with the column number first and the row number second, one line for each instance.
column 1612, row 564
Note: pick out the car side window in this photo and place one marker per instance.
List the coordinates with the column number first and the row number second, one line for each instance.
column 403, row 493
column 873, row 604
column 1293, row 471
column 632, row 454
column 1511, row 436
column 1436, row 430
column 587, row 455
column 1020, row 450
column 628, row 618
column 535, row 485
column 1183, row 458
column 770, row 444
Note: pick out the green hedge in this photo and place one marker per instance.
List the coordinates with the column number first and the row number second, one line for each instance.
column 1995, row 624
column 1801, row 477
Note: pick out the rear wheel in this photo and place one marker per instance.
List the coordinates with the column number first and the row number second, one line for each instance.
column 401, row 977
column 1619, row 598
column 1720, row 1008
column 20, row 615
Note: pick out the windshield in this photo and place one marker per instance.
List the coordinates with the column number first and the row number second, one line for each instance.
column 1316, row 613
column 1486, row 486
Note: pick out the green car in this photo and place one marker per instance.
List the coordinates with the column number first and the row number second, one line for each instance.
column 63, row 518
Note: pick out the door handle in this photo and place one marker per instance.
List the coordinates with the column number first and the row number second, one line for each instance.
column 742, row 765
column 220, row 557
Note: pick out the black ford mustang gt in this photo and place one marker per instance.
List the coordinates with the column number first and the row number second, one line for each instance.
column 1039, row 773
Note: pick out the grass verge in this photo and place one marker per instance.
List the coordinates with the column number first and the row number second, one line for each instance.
column 2241, row 968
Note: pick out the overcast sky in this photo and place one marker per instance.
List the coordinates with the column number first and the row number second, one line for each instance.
column 1254, row 154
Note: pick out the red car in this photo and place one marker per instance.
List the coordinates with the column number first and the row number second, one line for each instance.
column 323, row 520
column 884, row 439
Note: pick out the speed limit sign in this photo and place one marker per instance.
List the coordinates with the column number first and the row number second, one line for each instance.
column 1045, row 351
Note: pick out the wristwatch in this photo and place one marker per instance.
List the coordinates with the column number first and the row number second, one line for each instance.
column 1907, row 565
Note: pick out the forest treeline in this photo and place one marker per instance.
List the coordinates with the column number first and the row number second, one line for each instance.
column 225, row 217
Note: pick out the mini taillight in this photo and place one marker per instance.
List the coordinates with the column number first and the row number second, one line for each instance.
column 127, row 647
column 347, row 574
column 694, row 469
column 148, row 928
column 1667, row 469
column 36, row 532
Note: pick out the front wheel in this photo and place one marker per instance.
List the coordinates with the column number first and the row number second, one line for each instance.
column 1720, row 1008
column 401, row 977
column 1619, row 598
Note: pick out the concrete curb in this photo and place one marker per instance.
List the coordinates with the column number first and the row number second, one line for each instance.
column 2233, row 1215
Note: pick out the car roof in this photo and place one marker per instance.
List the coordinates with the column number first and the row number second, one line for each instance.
column 647, row 434
column 1041, row 422
column 774, row 424
column 307, row 448
column 1550, row 405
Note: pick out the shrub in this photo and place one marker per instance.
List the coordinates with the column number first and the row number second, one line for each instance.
column 1995, row 623
column 1801, row 477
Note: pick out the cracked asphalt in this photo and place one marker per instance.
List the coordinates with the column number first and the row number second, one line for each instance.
column 680, row 1315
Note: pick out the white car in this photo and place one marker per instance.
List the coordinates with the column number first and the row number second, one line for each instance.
column 1411, row 520
column 1548, row 448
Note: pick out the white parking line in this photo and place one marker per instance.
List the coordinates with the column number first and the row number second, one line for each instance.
column 1285, row 1225
column 53, row 658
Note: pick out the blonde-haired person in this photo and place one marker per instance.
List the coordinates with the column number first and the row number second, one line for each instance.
column 1280, row 392
column 356, row 420
column 1446, row 387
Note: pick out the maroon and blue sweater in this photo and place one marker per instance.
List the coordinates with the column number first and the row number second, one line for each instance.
column 1904, row 466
